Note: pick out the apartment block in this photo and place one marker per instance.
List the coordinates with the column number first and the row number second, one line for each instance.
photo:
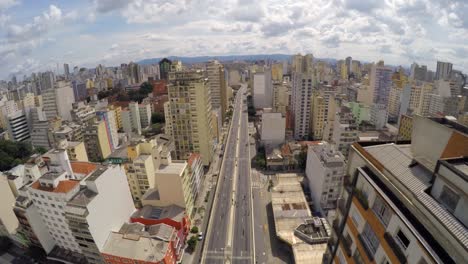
column 145, row 114
column 18, row 126
column 262, row 89
column 301, row 93
column 325, row 170
column 102, row 205
column 189, row 114
column 57, row 101
column 108, row 116
column 96, row 141
column 323, row 108
column 131, row 122
column 281, row 97
column 405, row 203
column 218, row 86
column 273, row 129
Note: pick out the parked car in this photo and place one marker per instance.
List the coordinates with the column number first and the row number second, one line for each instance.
column 200, row 236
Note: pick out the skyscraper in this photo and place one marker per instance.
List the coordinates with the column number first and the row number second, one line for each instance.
column 217, row 84
column 443, row 70
column 66, row 70
column 188, row 113
column 303, row 82
column 164, row 68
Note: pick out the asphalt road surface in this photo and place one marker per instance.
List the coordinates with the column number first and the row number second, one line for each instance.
column 229, row 238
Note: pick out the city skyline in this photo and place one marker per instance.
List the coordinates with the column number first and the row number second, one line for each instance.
column 38, row 36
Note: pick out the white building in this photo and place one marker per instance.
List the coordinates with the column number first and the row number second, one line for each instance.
column 131, row 121
column 443, row 70
column 302, row 86
column 262, row 89
column 378, row 116
column 145, row 114
column 273, row 128
column 50, row 195
column 58, row 101
column 344, row 133
column 103, row 205
column 325, row 170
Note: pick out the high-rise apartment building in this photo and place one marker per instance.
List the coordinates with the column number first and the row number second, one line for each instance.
column 325, row 170
column 323, row 108
column 262, row 89
column 217, row 83
column 108, row 116
column 58, row 101
column 164, row 68
column 188, row 112
column 378, row 116
column 18, row 126
column 302, row 86
column 102, row 205
column 404, row 203
column 144, row 110
column 380, row 83
column 131, row 122
column 96, row 141
column 443, row 70
column 281, row 97
column 344, row 131
column 66, row 70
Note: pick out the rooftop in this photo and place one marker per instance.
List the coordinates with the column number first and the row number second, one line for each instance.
column 290, row 210
column 81, row 167
column 174, row 168
column 174, row 212
column 135, row 241
column 398, row 160
column 62, row 187
column 82, row 198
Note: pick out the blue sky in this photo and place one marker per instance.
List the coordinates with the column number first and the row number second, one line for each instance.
column 38, row 35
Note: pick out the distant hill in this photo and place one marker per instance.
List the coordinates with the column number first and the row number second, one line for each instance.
column 200, row 59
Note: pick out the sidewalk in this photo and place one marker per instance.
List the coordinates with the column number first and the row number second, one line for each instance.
column 208, row 184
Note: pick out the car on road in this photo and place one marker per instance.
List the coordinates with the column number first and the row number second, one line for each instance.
column 200, row 236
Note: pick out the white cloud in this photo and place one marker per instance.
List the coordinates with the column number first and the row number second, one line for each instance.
column 398, row 31
column 5, row 4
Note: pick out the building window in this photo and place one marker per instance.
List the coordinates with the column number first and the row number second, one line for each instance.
column 370, row 239
column 449, row 198
column 402, row 239
column 381, row 210
column 357, row 219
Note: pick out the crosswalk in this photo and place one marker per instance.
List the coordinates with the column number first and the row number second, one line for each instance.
column 225, row 255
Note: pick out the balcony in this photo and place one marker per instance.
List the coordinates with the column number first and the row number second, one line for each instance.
column 347, row 246
column 395, row 247
column 369, row 253
column 361, row 197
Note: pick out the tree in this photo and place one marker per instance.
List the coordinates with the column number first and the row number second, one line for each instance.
column 192, row 243
column 302, row 160
column 194, row 230
column 146, row 88
column 158, row 117
column 40, row 150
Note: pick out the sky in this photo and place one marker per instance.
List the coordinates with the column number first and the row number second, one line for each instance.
column 37, row 35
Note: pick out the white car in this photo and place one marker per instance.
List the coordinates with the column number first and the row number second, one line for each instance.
column 200, row 236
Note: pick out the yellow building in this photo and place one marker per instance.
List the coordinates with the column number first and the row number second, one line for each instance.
column 406, row 127
column 96, row 141
column 76, row 151
column 399, row 78
column 394, row 101
column 463, row 119
column 140, row 175
column 343, row 71
column 189, row 113
column 38, row 100
column 277, row 72
column 118, row 115
column 173, row 187
column 322, row 111
column 281, row 97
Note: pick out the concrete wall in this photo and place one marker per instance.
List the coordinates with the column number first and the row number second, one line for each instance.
column 112, row 206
